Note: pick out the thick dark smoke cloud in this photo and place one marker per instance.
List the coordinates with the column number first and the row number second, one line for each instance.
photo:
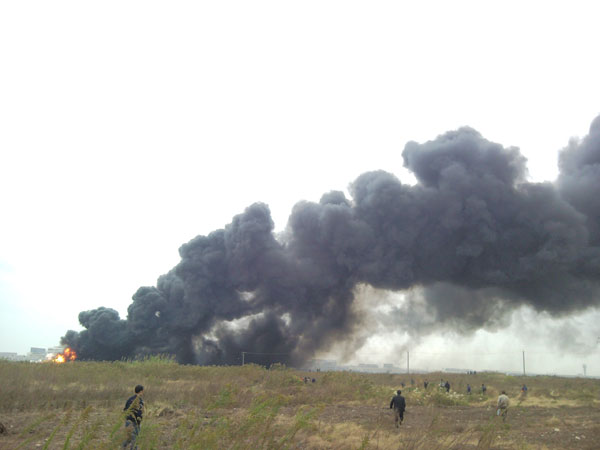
column 470, row 242
column 106, row 337
column 579, row 180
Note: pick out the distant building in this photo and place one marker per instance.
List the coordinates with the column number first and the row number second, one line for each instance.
column 36, row 354
column 10, row 356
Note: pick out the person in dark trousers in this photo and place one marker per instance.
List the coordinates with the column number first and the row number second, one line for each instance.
column 447, row 386
column 483, row 389
column 399, row 405
column 469, row 389
column 134, row 410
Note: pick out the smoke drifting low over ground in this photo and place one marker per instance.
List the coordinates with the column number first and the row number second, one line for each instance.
column 471, row 241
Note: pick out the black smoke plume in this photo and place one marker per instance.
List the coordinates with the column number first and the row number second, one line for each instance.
column 472, row 235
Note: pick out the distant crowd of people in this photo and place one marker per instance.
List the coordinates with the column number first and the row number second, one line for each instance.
column 398, row 402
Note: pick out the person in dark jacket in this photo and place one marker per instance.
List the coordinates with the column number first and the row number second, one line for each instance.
column 399, row 405
column 134, row 410
column 447, row 386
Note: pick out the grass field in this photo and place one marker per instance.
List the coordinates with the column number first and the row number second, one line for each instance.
column 79, row 405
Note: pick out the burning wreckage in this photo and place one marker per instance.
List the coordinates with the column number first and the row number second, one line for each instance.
column 468, row 243
column 66, row 355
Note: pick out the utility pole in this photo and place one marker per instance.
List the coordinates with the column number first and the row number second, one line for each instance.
column 523, row 362
column 407, row 362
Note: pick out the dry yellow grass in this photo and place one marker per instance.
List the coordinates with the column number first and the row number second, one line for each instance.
column 78, row 405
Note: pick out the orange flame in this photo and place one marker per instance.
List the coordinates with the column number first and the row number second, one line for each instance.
column 67, row 355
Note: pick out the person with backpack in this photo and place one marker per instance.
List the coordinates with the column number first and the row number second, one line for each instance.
column 134, row 410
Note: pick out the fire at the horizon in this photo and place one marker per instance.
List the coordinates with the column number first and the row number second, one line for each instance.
column 67, row 355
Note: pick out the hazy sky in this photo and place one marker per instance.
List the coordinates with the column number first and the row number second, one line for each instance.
column 128, row 128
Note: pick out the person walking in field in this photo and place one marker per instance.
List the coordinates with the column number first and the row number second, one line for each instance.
column 502, row 405
column 134, row 409
column 447, row 386
column 398, row 403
